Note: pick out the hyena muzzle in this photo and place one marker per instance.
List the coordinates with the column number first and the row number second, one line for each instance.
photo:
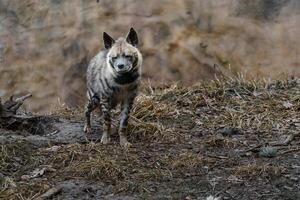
column 113, row 77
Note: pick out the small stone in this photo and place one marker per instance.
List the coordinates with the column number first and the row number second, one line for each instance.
column 229, row 131
column 268, row 152
column 25, row 177
column 248, row 154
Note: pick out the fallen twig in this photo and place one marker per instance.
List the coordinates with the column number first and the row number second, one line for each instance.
column 49, row 193
column 290, row 150
column 10, row 107
column 216, row 156
column 286, row 142
column 23, row 98
column 254, row 149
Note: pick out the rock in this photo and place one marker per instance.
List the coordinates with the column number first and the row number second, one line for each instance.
column 268, row 152
column 229, row 131
column 25, row 177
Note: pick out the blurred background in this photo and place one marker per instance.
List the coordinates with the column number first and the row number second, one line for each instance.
column 45, row 45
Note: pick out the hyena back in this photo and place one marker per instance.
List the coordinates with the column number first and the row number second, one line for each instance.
column 113, row 77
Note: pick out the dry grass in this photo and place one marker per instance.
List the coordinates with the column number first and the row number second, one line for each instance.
column 190, row 161
column 146, row 118
column 220, row 141
column 253, row 105
column 254, row 169
column 176, row 134
column 15, row 159
column 235, row 102
column 93, row 161
column 147, row 108
column 14, row 155
column 63, row 110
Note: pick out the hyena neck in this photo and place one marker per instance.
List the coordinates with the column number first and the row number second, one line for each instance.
column 124, row 78
column 127, row 78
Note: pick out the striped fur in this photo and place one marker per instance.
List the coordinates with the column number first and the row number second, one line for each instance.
column 113, row 77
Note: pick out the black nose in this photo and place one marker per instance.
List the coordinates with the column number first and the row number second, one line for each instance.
column 120, row 66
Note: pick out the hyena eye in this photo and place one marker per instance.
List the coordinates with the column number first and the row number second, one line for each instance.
column 114, row 58
column 128, row 57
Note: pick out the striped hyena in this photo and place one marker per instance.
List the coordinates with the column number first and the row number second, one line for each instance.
column 113, row 77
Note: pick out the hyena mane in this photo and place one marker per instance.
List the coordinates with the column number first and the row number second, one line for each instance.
column 113, row 78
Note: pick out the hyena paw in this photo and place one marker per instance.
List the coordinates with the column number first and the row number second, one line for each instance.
column 105, row 139
column 125, row 143
column 87, row 129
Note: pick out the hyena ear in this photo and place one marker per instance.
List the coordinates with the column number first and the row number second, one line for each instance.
column 108, row 41
column 132, row 37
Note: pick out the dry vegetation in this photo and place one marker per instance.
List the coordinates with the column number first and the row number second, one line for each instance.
column 188, row 143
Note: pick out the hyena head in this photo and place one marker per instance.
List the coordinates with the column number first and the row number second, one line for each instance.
column 123, row 56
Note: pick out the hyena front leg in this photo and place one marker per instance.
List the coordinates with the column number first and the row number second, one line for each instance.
column 90, row 106
column 105, row 107
column 124, row 116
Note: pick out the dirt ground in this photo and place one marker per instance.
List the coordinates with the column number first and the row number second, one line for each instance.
column 228, row 139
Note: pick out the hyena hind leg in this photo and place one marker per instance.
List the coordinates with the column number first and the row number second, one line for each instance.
column 90, row 106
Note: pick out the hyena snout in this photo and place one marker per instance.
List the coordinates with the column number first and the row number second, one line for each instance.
column 121, row 66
